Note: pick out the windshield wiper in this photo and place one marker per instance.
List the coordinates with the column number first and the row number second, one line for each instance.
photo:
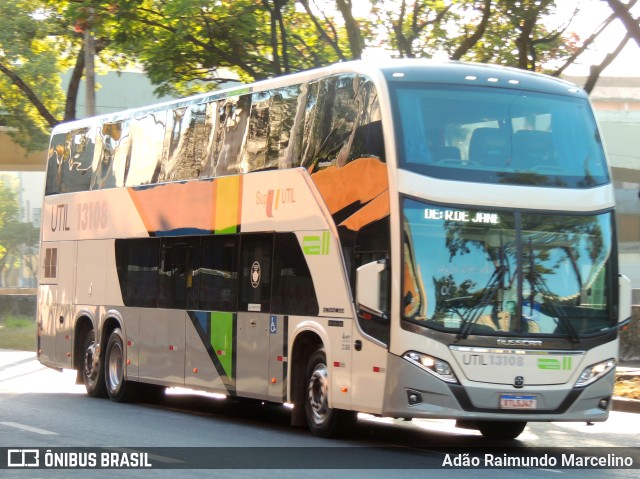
column 535, row 279
column 495, row 283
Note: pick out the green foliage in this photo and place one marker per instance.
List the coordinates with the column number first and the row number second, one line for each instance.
column 17, row 322
column 17, row 332
column 187, row 46
column 29, row 60
column 513, row 32
column 184, row 44
column 16, row 238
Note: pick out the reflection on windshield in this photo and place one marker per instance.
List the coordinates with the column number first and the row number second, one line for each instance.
column 495, row 135
column 484, row 272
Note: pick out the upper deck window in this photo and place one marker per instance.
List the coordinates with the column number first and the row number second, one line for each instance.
column 494, row 135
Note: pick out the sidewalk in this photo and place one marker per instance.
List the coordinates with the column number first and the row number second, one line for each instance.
column 627, row 370
column 10, row 357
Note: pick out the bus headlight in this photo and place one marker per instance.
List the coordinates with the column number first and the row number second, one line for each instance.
column 439, row 368
column 594, row 372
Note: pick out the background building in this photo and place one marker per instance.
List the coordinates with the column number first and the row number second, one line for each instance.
column 617, row 104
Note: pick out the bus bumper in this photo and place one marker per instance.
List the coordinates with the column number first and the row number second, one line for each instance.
column 414, row 393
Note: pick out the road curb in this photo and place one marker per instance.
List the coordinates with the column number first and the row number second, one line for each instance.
column 621, row 404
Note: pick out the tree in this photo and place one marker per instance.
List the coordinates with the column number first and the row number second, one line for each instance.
column 191, row 45
column 622, row 11
column 30, row 80
column 15, row 235
column 185, row 44
column 40, row 39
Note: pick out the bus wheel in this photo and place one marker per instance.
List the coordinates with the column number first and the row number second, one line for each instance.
column 118, row 388
column 501, row 429
column 92, row 372
column 322, row 420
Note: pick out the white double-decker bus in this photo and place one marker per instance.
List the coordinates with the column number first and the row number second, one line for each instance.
column 407, row 239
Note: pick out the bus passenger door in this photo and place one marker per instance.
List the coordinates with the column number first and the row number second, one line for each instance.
column 371, row 338
column 66, row 302
column 57, row 303
column 253, row 316
column 47, row 299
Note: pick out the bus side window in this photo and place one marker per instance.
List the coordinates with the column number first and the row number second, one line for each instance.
column 70, row 161
column 372, row 244
column 137, row 265
column 185, row 140
column 329, row 122
column 293, row 290
column 271, row 123
column 256, row 143
column 233, row 116
column 177, row 284
column 217, row 274
column 255, row 273
column 210, row 140
column 144, row 149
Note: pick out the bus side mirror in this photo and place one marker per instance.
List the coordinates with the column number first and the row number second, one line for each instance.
column 368, row 287
column 624, row 298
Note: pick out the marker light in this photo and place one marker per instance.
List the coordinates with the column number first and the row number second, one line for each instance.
column 435, row 366
column 594, row 372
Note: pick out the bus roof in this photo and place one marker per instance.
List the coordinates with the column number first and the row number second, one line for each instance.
column 465, row 73
column 393, row 70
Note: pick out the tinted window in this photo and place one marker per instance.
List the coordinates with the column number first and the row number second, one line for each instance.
column 231, row 127
column 372, row 244
column 112, row 143
column 70, row 160
column 217, row 275
column 185, row 143
column 293, row 291
column 496, row 135
column 255, row 273
column 137, row 264
column 331, row 115
column 177, row 281
column 270, row 127
column 145, row 149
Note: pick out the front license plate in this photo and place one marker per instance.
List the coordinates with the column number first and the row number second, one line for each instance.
column 508, row 401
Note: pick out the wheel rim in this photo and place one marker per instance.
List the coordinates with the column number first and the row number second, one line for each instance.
column 317, row 394
column 114, row 367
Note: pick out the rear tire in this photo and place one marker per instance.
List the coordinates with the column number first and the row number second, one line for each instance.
column 502, row 430
column 118, row 388
column 92, row 371
column 322, row 420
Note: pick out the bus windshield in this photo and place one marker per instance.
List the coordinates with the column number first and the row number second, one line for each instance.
column 498, row 135
column 488, row 272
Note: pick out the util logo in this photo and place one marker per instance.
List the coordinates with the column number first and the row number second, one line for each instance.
column 274, row 198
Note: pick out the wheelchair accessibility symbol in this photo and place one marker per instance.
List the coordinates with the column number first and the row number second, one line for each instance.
column 273, row 325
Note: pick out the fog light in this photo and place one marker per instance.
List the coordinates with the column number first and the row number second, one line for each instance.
column 414, row 397
column 604, row 403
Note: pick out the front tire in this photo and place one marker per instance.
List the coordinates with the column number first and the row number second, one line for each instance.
column 118, row 388
column 92, row 371
column 322, row 420
column 502, row 430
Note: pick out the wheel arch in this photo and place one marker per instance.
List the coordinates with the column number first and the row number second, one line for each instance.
column 84, row 323
column 110, row 323
column 305, row 344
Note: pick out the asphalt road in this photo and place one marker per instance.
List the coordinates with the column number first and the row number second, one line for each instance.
column 41, row 408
